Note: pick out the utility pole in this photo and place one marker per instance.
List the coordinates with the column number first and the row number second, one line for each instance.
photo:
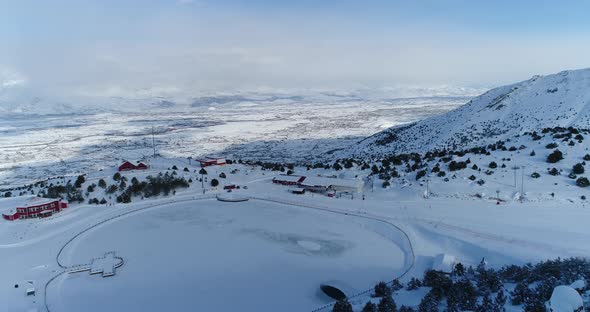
column 522, row 185
column 514, row 168
column 202, row 183
column 153, row 142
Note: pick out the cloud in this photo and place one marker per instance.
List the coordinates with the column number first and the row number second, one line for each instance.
column 168, row 49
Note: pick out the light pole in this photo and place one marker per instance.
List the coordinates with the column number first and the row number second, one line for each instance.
column 522, row 185
column 514, row 168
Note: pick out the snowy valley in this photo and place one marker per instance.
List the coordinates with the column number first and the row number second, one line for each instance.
column 453, row 202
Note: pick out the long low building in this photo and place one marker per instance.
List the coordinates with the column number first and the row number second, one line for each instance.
column 333, row 184
column 27, row 207
column 288, row 179
column 321, row 184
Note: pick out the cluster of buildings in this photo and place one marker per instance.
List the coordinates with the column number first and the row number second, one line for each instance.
column 319, row 184
column 28, row 207
column 211, row 161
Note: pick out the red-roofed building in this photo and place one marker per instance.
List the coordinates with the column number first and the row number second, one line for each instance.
column 210, row 161
column 288, row 179
column 129, row 166
column 27, row 207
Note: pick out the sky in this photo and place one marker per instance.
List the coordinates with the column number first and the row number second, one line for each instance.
column 125, row 47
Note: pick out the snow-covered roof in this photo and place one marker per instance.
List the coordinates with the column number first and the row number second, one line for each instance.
column 35, row 201
column 444, row 263
column 323, row 181
column 288, row 178
column 565, row 299
column 297, row 189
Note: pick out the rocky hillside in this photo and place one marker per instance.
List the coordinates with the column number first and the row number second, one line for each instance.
column 558, row 100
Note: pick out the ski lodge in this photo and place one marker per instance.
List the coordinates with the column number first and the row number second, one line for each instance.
column 321, row 184
column 210, row 161
column 28, row 207
column 129, row 166
column 284, row 179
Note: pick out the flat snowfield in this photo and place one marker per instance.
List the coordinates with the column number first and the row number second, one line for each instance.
column 218, row 256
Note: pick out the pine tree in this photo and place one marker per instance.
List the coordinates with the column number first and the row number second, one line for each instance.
column 520, row 293
column 342, row 306
column 404, row 308
column 500, row 302
column 534, row 304
column 428, row 304
column 387, row 304
column 459, row 269
column 414, row 283
column 369, row 307
column 487, row 305
column 382, row 290
column 396, row 285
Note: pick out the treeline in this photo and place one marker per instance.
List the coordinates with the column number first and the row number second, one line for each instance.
column 162, row 184
column 483, row 289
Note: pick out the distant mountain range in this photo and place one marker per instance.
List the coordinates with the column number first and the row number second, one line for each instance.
column 561, row 99
column 18, row 98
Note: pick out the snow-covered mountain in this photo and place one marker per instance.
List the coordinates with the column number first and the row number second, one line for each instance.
column 561, row 99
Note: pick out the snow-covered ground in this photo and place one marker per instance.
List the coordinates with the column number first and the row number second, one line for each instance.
column 37, row 146
column 272, row 253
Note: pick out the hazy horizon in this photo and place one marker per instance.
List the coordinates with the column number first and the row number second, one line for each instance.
column 122, row 48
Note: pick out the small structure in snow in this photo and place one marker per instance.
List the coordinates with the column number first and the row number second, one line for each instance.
column 106, row 265
column 232, row 198
column 565, row 299
column 444, row 263
column 298, row 190
column 30, row 291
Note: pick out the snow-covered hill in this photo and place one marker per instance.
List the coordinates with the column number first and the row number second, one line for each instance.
column 561, row 99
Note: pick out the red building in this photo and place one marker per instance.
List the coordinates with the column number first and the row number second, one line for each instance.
column 129, row 166
column 210, row 161
column 27, row 207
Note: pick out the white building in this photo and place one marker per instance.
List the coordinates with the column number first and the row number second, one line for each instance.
column 334, row 184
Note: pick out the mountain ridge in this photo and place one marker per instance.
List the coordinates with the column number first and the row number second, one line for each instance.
column 557, row 100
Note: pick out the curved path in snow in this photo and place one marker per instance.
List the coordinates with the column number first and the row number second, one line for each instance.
column 405, row 245
column 97, row 224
